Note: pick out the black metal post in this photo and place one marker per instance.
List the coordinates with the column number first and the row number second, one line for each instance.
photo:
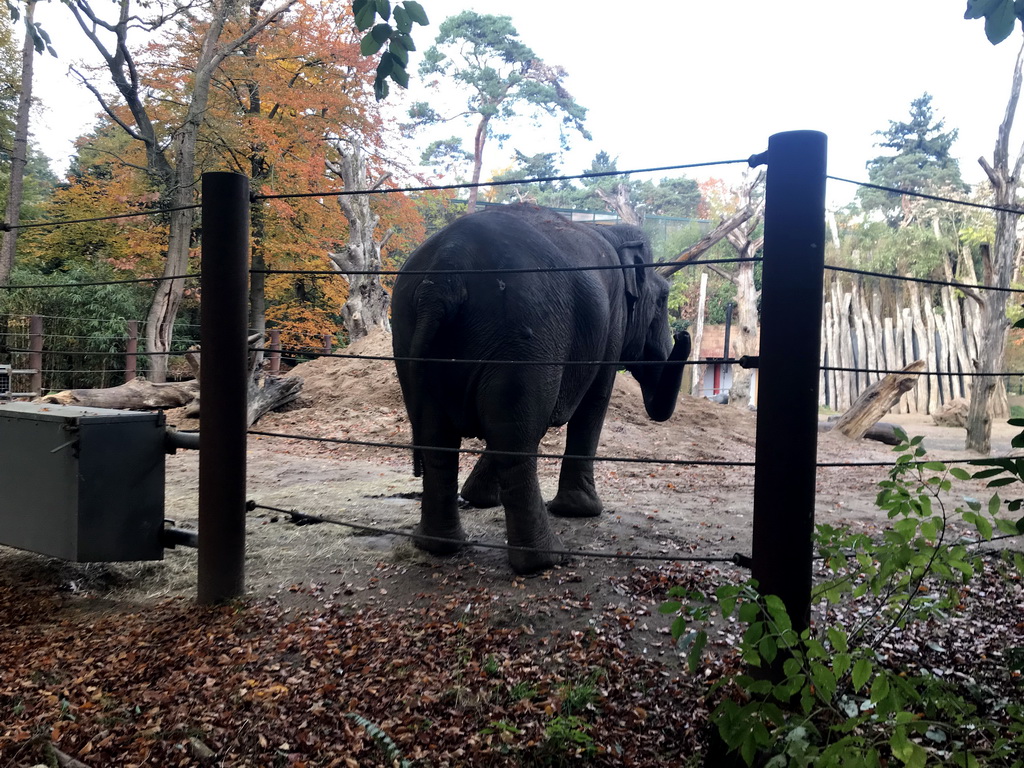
column 787, row 399
column 223, row 386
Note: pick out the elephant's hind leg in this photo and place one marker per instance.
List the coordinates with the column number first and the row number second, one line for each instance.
column 527, row 526
column 481, row 488
column 440, row 531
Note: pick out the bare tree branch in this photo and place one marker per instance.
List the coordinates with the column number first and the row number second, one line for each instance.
column 695, row 251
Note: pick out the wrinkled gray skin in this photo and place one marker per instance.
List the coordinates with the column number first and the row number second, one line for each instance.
column 613, row 314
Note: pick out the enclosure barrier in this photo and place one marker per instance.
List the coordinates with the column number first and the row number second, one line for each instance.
column 785, row 447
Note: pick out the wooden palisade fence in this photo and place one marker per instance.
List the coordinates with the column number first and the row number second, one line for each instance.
column 937, row 324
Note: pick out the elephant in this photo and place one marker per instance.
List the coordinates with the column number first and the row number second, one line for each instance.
column 479, row 290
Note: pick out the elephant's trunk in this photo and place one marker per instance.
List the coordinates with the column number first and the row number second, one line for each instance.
column 660, row 383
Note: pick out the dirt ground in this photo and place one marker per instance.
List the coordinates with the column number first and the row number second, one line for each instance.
column 657, row 509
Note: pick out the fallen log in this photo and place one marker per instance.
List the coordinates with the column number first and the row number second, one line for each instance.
column 265, row 395
column 137, row 394
column 882, row 431
column 877, row 400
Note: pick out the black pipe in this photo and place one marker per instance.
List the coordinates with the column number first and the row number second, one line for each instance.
column 178, row 537
column 174, row 439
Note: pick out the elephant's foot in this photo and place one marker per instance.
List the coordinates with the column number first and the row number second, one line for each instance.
column 575, row 504
column 481, row 491
column 437, row 541
column 526, row 561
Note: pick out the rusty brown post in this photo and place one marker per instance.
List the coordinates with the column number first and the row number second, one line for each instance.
column 275, row 351
column 131, row 350
column 35, row 356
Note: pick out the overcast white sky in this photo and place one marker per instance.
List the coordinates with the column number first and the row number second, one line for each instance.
column 681, row 81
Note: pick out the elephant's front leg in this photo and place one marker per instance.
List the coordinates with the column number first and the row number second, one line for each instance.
column 440, row 531
column 577, row 492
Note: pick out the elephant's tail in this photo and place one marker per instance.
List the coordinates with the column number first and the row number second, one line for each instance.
column 438, row 298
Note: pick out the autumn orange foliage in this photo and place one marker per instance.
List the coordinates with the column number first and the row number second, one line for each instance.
column 276, row 114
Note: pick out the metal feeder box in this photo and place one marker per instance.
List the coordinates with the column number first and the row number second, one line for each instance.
column 82, row 484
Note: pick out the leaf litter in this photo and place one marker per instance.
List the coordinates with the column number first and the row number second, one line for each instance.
column 361, row 651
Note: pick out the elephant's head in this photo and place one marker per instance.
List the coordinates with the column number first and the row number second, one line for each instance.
column 646, row 336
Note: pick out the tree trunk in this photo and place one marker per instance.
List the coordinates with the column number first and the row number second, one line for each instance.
column 745, row 331
column 620, row 205
column 988, row 397
column 366, row 308
column 168, row 294
column 988, row 400
column 172, row 167
column 137, row 394
column 478, row 163
column 19, row 157
column 259, row 171
column 698, row 337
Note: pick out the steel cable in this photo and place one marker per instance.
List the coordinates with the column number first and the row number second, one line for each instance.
column 10, row 287
column 497, row 271
column 5, row 227
column 737, row 559
column 560, row 456
column 498, row 183
column 924, row 280
column 925, row 196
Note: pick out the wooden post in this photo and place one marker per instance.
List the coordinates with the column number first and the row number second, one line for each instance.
column 275, row 351
column 787, row 415
column 131, row 351
column 696, row 386
column 35, row 355
column 328, row 343
column 224, row 386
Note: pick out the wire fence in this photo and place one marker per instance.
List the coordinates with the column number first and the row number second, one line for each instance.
column 74, row 345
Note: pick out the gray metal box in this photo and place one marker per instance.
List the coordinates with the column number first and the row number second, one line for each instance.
column 82, row 484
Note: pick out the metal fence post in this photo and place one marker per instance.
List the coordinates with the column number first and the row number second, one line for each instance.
column 786, row 445
column 35, row 355
column 131, row 351
column 223, row 386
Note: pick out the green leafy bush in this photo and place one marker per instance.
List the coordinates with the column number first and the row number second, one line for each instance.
column 829, row 696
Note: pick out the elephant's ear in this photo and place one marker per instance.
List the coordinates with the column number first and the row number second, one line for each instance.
column 631, row 254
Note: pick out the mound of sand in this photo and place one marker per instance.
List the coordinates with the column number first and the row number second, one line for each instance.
column 359, row 397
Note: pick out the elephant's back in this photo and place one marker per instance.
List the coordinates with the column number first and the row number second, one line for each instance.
column 507, row 285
